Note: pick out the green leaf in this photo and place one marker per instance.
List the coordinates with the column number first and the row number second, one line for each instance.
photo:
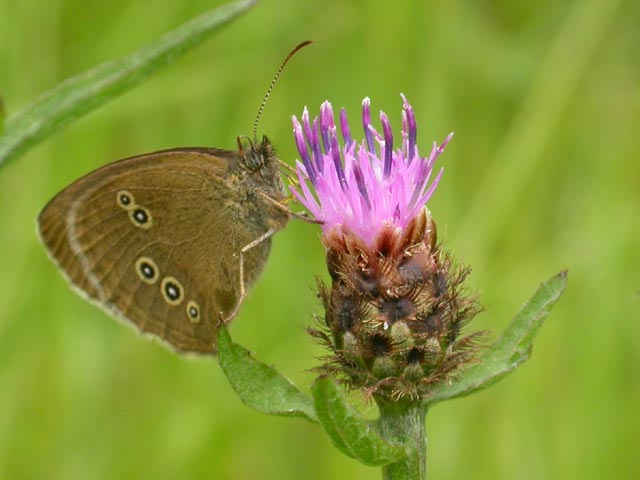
column 79, row 95
column 510, row 350
column 258, row 385
column 349, row 431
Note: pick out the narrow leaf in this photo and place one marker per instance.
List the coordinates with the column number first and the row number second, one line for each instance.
column 349, row 431
column 510, row 350
column 81, row 94
column 258, row 385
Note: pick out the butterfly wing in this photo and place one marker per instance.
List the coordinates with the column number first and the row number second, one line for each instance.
column 156, row 240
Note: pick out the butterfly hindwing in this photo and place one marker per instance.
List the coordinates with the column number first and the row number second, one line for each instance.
column 156, row 241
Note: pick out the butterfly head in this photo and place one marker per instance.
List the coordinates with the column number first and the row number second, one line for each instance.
column 259, row 160
column 255, row 156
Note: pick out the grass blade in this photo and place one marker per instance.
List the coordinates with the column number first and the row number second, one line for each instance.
column 81, row 94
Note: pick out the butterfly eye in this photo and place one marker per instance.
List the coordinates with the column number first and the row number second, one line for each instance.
column 141, row 217
column 253, row 160
column 125, row 200
column 193, row 311
column 171, row 291
column 147, row 270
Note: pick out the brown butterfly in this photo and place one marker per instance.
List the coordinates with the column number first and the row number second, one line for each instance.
column 169, row 241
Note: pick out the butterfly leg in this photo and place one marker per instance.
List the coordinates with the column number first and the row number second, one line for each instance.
column 301, row 216
column 243, row 290
column 286, row 166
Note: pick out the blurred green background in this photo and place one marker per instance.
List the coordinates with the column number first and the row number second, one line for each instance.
column 543, row 174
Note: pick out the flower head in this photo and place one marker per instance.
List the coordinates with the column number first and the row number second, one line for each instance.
column 368, row 188
column 396, row 303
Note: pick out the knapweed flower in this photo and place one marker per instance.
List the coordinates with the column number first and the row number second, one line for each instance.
column 361, row 189
column 394, row 309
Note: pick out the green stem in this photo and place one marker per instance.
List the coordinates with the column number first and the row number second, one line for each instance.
column 403, row 423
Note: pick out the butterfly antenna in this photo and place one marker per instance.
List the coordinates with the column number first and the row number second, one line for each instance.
column 273, row 82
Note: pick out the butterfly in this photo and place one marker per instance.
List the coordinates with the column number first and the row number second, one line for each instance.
column 170, row 241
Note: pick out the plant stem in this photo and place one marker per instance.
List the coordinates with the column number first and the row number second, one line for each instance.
column 403, row 423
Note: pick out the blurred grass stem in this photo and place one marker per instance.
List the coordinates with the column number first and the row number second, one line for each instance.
column 522, row 149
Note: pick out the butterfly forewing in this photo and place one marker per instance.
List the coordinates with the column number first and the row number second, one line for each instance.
column 156, row 240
